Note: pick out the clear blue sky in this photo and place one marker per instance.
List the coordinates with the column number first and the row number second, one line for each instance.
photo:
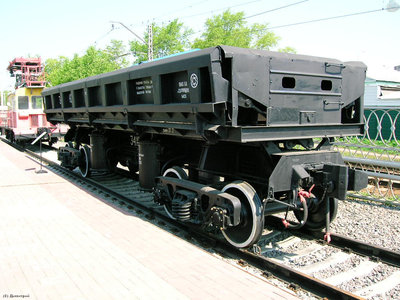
column 54, row 28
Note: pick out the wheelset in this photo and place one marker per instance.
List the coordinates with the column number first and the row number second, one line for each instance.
column 251, row 225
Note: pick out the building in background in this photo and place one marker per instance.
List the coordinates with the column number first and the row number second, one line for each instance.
column 382, row 88
column 382, row 104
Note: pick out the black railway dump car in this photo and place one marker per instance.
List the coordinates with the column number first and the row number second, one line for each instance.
column 223, row 136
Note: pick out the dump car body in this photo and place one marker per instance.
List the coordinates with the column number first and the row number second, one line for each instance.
column 221, row 93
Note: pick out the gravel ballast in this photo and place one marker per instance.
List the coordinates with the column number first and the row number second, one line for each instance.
column 370, row 222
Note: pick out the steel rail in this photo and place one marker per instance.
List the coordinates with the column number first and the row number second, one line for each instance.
column 346, row 243
column 374, row 252
column 372, row 162
column 375, row 163
column 385, row 255
column 382, row 175
column 382, row 201
column 301, row 279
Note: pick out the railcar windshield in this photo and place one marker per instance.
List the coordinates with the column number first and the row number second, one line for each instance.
column 23, row 102
column 37, row 102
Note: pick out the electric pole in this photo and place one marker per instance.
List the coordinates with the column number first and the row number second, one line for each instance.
column 150, row 43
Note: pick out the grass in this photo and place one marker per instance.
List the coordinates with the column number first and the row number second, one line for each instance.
column 389, row 148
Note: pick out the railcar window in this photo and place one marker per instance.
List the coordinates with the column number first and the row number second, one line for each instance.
column 288, row 82
column 37, row 102
column 23, row 102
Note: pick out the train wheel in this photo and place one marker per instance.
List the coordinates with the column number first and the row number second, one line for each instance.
column 251, row 223
column 175, row 172
column 84, row 162
column 317, row 210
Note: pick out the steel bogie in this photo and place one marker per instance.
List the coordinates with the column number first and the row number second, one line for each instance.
column 69, row 156
column 197, row 203
column 236, row 209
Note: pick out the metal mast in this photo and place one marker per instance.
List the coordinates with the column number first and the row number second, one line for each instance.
column 150, row 42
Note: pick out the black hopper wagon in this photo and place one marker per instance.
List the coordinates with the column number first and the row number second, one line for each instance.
column 223, row 136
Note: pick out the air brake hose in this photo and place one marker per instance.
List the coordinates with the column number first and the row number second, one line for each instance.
column 302, row 195
column 302, row 222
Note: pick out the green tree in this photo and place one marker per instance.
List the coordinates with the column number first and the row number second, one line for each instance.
column 117, row 52
column 93, row 62
column 169, row 39
column 287, row 49
column 6, row 93
column 230, row 29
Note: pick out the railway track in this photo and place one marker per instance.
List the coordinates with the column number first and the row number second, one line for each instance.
column 301, row 259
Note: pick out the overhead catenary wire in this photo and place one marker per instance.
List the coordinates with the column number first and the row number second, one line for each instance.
column 332, row 18
column 104, row 35
column 183, row 8
column 271, row 10
column 218, row 9
column 274, row 9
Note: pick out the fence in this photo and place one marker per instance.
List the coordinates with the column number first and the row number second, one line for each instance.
column 377, row 152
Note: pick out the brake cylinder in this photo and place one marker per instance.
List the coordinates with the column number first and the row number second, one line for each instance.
column 149, row 164
column 98, row 156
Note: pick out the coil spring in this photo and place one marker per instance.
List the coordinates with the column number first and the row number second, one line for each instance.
column 181, row 209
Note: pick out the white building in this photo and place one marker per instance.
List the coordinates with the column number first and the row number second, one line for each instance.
column 382, row 88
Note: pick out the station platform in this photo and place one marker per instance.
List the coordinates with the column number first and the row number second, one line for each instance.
column 60, row 242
